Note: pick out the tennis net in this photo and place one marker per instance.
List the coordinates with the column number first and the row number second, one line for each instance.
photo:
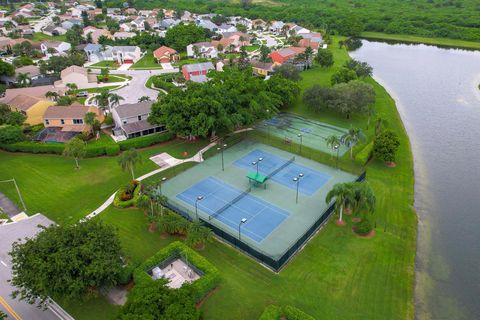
column 274, row 172
column 229, row 204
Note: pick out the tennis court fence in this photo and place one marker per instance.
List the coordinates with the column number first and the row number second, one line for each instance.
column 274, row 264
column 230, row 203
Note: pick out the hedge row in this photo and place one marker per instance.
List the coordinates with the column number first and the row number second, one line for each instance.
column 273, row 312
column 112, row 149
column 129, row 203
column 146, row 141
column 162, row 84
column 207, row 282
column 364, row 155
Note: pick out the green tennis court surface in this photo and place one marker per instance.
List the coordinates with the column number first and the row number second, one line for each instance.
column 274, row 221
column 288, row 126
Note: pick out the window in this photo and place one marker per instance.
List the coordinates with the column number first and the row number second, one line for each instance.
column 47, row 122
column 77, row 121
column 62, row 121
column 139, row 118
column 124, row 121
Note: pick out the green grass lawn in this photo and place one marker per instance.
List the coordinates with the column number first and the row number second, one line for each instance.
column 38, row 36
column 105, row 64
column 51, row 185
column 336, row 276
column 443, row 42
column 147, row 62
column 115, row 78
column 252, row 48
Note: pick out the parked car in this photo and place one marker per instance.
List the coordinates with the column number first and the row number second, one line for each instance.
column 82, row 94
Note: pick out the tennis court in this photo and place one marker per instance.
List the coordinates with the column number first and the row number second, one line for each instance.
column 313, row 133
column 283, row 171
column 230, row 205
column 275, row 217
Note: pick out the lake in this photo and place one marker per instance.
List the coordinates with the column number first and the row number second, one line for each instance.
column 437, row 94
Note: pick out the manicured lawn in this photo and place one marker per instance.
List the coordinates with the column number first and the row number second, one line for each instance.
column 454, row 43
column 252, row 48
column 147, row 62
column 51, row 185
column 38, row 36
column 104, row 64
column 115, row 78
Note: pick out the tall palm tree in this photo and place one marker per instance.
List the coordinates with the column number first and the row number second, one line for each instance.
column 105, row 99
column 198, row 234
column 364, row 197
column 352, row 137
column 114, row 99
column 332, row 141
column 71, row 88
column 342, row 192
column 143, row 98
column 129, row 160
column 24, row 79
column 308, row 56
column 51, row 95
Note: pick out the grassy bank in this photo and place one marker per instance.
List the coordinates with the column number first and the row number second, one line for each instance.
column 441, row 42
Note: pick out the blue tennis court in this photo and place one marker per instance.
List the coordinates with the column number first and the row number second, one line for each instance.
column 311, row 182
column 262, row 217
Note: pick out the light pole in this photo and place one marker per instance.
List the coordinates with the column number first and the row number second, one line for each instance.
column 297, row 181
column 160, row 184
column 256, row 163
column 301, row 141
column 18, row 192
column 336, row 147
column 243, row 221
column 221, row 149
column 199, row 198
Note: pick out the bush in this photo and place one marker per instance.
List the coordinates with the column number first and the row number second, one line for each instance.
column 364, row 155
column 108, row 119
column 112, row 150
column 160, row 83
column 273, row 312
column 145, row 141
column 34, row 147
column 386, row 145
column 128, row 195
column 126, row 273
column 207, row 282
column 363, row 227
column 11, row 134
column 292, row 313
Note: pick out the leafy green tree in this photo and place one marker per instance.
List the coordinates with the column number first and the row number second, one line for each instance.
column 153, row 300
column 15, row 118
column 180, row 36
column 385, row 146
column 324, row 58
column 76, row 149
column 264, row 54
column 65, row 100
column 343, row 75
column 288, row 71
column 198, row 234
column 352, row 137
column 56, row 64
column 11, row 134
column 172, row 223
column 22, row 61
column 104, row 73
column 23, row 49
column 362, row 69
column 74, row 35
column 6, row 69
column 72, row 87
column 288, row 90
column 129, row 159
column 68, row 262
column 342, row 192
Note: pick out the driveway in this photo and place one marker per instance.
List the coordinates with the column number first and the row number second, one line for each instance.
column 14, row 308
column 167, row 66
column 136, row 87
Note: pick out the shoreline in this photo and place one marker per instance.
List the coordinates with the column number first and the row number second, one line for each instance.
column 412, row 39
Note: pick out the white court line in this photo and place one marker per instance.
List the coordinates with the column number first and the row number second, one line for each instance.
column 4, row 264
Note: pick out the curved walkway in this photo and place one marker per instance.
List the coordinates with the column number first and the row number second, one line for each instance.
column 169, row 163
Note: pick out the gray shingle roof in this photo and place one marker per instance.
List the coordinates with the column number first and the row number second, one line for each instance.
column 133, row 109
column 199, row 66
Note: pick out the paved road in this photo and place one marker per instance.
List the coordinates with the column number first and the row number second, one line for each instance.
column 8, row 206
column 136, row 87
column 10, row 233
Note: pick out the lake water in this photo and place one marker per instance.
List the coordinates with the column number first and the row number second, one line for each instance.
column 437, row 95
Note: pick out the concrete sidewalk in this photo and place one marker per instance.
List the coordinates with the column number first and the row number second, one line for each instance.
column 8, row 206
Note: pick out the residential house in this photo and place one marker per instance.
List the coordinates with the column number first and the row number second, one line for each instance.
column 286, row 55
column 297, row 30
column 232, row 42
column 167, row 13
column 263, row 69
column 96, row 33
column 95, row 53
column 130, row 11
column 33, row 73
column 203, row 49
column 78, row 76
column 123, row 35
column 165, row 55
column 53, row 47
column 186, row 16
column 52, row 30
column 114, row 11
column 92, row 13
column 131, row 120
column 126, row 54
column 145, row 13
column 32, row 107
column 68, row 24
column 277, row 27
column 224, row 28
column 138, row 24
column 313, row 40
column 126, row 27
column 168, row 23
column 258, row 24
column 197, row 72
column 207, row 24
column 69, row 119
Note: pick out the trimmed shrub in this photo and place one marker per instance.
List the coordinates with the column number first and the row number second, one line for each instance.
column 208, row 280
column 363, row 227
column 271, row 312
column 364, row 155
column 145, row 141
column 112, row 150
column 128, row 195
column 34, row 147
column 11, row 134
column 94, row 151
column 126, row 273
column 162, row 84
column 292, row 313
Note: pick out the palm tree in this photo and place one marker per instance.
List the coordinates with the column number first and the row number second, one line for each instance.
column 351, row 138
column 342, row 193
column 231, row 47
column 198, row 234
column 129, row 160
column 364, row 199
column 143, row 98
column 51, row 95
column 114, row 99
column 105, row 99
column 24, row 79
column 308, row 56
column 71, row 88
column 90, row 118
column 332, row 141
